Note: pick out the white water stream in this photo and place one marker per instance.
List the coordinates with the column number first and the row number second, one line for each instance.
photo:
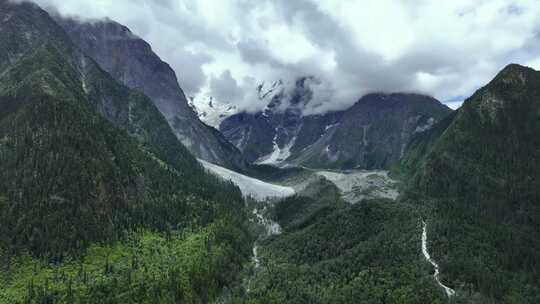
column 271, row 228
column 449, row 291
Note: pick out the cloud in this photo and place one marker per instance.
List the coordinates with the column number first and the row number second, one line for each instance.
column 443, row 48
column 225, row 87
column 188, row 66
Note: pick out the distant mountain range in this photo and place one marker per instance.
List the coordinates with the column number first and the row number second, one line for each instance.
column 278, row 135
column 371, row 134
column 103, row 199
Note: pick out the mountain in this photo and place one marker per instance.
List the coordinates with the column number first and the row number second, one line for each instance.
column 477, row 171
column 371, row 134
column 94, row 184
column 71, row 117
column 270, row 136
column 132, row 62
column 212, row 113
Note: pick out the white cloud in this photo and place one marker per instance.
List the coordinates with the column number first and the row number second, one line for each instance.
column 443, row 48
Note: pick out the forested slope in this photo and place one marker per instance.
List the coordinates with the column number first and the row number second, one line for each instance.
column 478, row 174
column 96, row 192
column 330, row 251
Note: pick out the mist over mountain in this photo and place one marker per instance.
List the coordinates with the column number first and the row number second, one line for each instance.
column 371, row 134
column 354, row 48
column 280, row 152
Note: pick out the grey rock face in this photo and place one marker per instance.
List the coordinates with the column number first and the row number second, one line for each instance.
column 281, row 127
column 24, row 18
column 371, row 134
column 131, row 61
column 374, row 132
column 251, row 133
column 29, row 32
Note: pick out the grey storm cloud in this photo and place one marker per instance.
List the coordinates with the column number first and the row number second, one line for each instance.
column 225, row 48
column 226, row 88
column 188, row 67
column 253, row 52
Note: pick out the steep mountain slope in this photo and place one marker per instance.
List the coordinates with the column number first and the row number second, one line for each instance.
column 211, row 112
column 478, row 171
column 52, row 92
column 371, row 134
column 272, row 135
column 131, row 61
column 85, row 162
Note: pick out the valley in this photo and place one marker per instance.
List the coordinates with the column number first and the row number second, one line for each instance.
column 341, row 180
column 334, row 192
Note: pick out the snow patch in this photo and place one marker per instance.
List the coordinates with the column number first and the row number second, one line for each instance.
column 278, row 155
column 267, row 93
column 212, row 112
column 330, row 126
column 249, row 186
column 364, row 138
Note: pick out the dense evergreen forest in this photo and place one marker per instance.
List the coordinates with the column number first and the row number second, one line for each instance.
column 333, row 252
column 99, row 202
column 477, row 173
column 472, row 178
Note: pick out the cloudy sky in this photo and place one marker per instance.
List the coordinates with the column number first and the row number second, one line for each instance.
column 445, row 48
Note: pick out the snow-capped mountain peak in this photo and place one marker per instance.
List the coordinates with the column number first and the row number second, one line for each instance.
column 212, row 112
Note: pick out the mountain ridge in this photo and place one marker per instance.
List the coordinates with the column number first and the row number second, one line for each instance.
column 335, row 139
column 476, row 172
column 125, row 158
column 131, row 61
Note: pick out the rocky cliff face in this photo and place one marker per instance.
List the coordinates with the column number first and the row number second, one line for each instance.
column 131, row 61
column 371, row 134
column 374, row 132
column 273, row 135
